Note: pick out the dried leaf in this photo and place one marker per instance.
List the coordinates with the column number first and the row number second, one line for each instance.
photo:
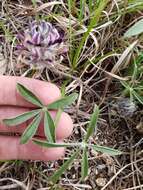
column 2, row 63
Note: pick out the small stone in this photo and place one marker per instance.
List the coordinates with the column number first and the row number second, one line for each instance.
column 139, row 128
column 125, row 107
column 101, row 182
column 94, row 153
column 74, row 176
column 96, row 172
column 101, row 167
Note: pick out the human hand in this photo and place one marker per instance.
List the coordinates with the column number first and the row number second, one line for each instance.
column 12, row 104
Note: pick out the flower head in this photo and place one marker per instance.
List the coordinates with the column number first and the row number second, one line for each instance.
column 41, row 43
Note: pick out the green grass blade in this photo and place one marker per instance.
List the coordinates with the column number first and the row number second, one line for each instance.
column 49, row 144
column 28, row 95
column 106, row 150
column 137, row 96
column 21, row 118
column 92, row 124
column 90, row 5
column 93, row 23
column 84, row 164
column 55, row 177
column 9, row 36
column 30, row 130
column 63, row 102
column 70, row 6
column 49, row 127
column 82, row 9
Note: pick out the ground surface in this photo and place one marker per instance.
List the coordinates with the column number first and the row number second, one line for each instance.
column 105, row 59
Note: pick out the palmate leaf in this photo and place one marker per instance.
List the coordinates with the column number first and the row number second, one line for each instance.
column 84, row 164
column 92, row 124
column 55, row 177
column 30, row 130
column 49, row 127
column 107, row 150
column 28, row 95
column 63, row 102
column 21, row 118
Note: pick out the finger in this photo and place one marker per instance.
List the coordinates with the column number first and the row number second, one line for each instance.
column 10, row 149
column 45, row 91
column 63, row 130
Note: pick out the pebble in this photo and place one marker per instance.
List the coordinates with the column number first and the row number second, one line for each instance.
column 101, row 167
column 139, row 128
column 101, row 182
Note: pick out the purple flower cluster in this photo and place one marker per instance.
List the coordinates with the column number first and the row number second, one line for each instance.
column 40, row 44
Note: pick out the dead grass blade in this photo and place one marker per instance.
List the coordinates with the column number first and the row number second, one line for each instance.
column 46, row 5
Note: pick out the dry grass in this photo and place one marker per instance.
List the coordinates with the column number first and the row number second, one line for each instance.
column 104, row 59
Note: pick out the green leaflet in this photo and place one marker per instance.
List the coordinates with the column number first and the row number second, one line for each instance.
column 84, row 164
column 49, row 127
column 58, row 116
column 92, row 124
column 138, row 97
column 21, row 118
column 134, row 30
column 103, row 149
column 125, row 84
column 30, row 130
column 63, row 102
column 49, row 144
column 54, row 178
column 28, row 95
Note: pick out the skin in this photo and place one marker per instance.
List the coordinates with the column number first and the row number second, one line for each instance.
column 12, row 104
